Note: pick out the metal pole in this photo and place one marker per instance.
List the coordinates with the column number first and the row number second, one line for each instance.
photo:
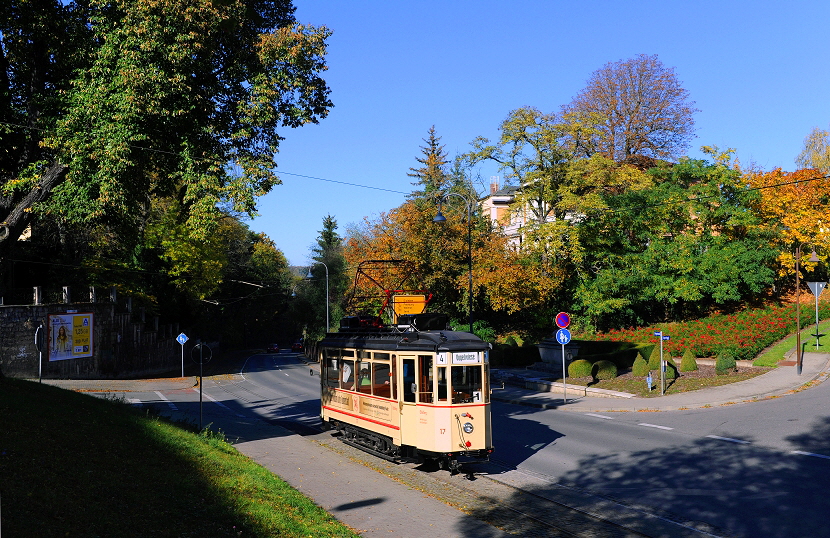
column 662, row 368
column 817, row 320
column 797, row 312
column 564, row 375
column 201, row 384
column 470, row 265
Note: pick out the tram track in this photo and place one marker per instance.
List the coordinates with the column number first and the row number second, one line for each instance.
column 531, row 507
column 514, row 510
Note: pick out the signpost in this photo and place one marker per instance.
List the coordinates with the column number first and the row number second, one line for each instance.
column 817, row 288
column 205, row 354
column 662, row 337
column 39, row 342
column 182, row 338
column 563, row 336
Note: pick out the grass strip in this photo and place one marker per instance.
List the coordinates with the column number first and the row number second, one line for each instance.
column 75, row 465
column 776, row 353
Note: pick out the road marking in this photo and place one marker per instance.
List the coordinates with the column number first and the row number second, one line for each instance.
column 802, row 453
column 171, row 404
column 646, row 424
column 599, row 416
column 220, row 404
column 728, row 439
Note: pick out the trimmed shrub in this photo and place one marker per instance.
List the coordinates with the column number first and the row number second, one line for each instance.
column 640, row 366
column 671, row 369
column 688, row 363
column 725, row 364
column 654, row 359
column 511, row 341
column 604, row 370
column 580, row 368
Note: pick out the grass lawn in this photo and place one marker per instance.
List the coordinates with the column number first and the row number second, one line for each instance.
column 75, row 465
column 775, row 353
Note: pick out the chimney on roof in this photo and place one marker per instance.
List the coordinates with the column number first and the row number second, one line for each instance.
column 494, row 184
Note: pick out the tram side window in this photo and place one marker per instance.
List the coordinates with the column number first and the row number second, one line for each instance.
column 332, row 372
column 347, row 376
column 393, row 378
column 425, row 379
column 467, row 384
column 382, row 386
column 441, row 378
column 409, row 385
column 364, row 378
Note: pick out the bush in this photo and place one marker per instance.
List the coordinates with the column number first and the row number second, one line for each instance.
column 604, row 370
column 688, row 363
column 640, row 366
column 580, row 368
column 511, row 341
column 725, row 363
column 671, row 369
column 654, row 359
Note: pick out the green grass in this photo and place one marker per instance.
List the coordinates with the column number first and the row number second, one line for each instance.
column 771, row 356
column 74, row 465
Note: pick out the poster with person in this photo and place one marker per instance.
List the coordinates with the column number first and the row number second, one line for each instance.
column 70, row 336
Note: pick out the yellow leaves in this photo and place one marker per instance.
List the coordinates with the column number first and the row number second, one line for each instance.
column 801, row 203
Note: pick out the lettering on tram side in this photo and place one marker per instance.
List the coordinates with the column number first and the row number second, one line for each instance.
column 465, row 358
column 376, row 409
column 423, row 416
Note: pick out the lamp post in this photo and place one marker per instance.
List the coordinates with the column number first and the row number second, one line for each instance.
column 309, row 275
column 813, row 258
column 441, row 218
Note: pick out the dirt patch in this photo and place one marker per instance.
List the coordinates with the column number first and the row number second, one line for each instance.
column 705, row 376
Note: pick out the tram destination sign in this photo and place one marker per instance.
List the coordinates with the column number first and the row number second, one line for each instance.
column 465, row 358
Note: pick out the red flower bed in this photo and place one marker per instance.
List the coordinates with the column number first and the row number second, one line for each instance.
column 744, row 334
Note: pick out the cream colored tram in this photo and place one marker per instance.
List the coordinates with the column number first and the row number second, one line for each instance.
column 408, row 392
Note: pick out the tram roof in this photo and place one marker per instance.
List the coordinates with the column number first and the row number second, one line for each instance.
column 390, row 339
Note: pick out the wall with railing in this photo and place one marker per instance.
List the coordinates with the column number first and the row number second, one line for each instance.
column 125, row 341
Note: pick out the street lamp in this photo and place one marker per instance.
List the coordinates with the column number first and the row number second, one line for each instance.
column 309, row 275
column 813, row 258
column 441, row 218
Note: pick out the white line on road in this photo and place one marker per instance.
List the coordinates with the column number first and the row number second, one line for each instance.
column 220, row 404
column 729, row 439
column 802, row 453
column 646, row 424
column 599, row 416
column 171, row 404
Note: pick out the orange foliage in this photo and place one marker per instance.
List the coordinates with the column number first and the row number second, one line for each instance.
column 799, row 200
column 439, row 252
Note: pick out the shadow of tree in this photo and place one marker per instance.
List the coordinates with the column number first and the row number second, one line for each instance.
column 732, row 489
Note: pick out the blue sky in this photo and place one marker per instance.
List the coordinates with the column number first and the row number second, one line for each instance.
column 757, row 70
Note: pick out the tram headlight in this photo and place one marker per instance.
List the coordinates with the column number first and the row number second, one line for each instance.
column 468, row 427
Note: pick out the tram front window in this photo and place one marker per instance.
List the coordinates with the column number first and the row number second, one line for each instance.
column 467, row 384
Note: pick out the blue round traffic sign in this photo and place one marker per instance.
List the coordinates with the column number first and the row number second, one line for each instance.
column 563, row 320
column 563, row 336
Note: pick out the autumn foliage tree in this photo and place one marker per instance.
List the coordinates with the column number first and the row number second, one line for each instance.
column 635, row 106
column 797, row 202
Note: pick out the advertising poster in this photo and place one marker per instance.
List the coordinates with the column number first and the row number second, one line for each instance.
column 70, row 336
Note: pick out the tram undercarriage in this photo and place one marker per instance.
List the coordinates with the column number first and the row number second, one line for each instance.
column 383, row 447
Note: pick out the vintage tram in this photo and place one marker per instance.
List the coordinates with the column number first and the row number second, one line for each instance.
column 408, row 391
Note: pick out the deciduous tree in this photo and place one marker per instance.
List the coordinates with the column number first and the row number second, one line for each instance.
column 109, row 103
column 635, row 106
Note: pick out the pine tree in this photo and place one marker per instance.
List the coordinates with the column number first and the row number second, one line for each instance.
column 432, row 175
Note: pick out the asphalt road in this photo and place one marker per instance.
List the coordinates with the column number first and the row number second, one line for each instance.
column 758, row 469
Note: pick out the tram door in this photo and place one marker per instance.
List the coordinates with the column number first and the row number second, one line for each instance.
column 408, row 394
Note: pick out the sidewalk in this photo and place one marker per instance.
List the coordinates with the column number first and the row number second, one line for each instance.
column 779, row 381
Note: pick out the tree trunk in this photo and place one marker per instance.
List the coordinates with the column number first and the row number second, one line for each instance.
column 15, row 209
